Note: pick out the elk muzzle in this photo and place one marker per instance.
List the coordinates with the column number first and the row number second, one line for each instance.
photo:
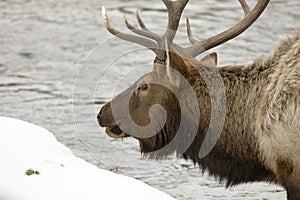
column 105, row 119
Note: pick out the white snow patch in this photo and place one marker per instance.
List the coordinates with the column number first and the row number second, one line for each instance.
column 62, row 176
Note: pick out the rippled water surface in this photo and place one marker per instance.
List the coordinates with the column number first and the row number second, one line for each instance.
column 58, row 66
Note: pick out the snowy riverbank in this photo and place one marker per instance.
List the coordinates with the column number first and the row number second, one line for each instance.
column 34, row 166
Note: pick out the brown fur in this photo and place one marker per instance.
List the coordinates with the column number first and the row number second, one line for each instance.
column 260, row 140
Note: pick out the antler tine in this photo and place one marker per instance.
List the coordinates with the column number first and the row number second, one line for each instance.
column 230, row 33
column 245, row 6
column 131, row 38
column 175, row 9
column 142, row 32
column 140, row 21
column 189, row 32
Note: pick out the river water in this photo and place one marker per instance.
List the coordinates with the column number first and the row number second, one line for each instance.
column 58, row 65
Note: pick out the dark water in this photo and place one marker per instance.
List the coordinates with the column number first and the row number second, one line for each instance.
column 58, row 66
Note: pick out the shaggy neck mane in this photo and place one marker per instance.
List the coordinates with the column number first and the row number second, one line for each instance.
column 234, row 158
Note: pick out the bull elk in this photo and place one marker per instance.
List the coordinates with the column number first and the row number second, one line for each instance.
column 171, row 109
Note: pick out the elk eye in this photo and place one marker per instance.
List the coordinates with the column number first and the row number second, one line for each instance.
column 143, row 86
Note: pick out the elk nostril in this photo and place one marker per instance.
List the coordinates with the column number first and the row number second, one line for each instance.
column 99, row 118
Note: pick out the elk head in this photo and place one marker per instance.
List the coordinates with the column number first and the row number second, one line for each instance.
column 154, row 107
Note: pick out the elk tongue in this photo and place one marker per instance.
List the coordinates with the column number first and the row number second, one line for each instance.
column 116, row 130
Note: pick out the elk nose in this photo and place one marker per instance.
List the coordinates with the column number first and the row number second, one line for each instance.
column 104, row 116
column 99, row 118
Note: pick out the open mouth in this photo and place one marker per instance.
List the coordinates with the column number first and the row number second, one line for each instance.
column 115, row 132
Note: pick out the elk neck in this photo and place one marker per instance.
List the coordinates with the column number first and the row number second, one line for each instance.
column 237, row 145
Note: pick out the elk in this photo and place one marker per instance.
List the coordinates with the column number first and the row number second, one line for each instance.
column 171, row 109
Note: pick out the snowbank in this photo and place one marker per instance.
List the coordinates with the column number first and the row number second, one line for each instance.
column 35, row 166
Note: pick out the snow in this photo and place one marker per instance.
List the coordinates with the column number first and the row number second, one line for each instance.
column 62, row 176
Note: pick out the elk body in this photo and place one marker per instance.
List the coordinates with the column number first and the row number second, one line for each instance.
column 260, row 136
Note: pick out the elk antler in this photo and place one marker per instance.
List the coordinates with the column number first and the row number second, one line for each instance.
column 156, row 43
column 174, row 9
column 132, row 38
column 250, row 17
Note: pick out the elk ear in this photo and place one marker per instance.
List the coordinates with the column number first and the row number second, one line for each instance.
column 174, row 61
column 211, row 60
